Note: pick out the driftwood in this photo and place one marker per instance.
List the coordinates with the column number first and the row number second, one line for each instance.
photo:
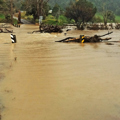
column 1, row 30
column 49, row 29
column 117, row 26
column 6, row 31
column 81, row 39
column 105, row 34
column 9, row 31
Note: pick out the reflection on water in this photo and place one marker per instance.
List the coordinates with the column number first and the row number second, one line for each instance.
column 45, row 80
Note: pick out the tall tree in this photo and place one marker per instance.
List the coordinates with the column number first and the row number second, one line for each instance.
column 36, row 7
column 1, row 3
column 56, row 11
column 113, row 5
column 81, row 11
column 107, row 14
column 7, row 8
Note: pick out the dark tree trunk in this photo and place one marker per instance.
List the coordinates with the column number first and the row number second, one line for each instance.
column 19, row 17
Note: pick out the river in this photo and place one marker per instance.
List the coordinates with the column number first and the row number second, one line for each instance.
column 41, row 79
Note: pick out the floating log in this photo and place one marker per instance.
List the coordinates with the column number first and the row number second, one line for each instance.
column 82, row 38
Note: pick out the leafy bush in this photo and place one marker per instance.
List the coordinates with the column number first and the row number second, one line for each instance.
column 2, row 16
column 52, row 20
column 97, row 19
column 62, row 19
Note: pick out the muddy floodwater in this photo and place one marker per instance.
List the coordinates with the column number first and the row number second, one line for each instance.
column 44, row 80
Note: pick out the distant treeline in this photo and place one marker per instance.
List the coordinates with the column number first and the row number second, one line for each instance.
column 112, row 5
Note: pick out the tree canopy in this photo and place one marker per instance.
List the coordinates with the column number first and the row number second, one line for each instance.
column 36, row 8
column 112, row 5
column 80, row 11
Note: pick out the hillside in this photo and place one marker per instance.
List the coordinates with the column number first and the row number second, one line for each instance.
column 112, row 5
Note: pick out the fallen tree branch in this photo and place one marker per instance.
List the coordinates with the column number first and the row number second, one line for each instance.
column 1, row 30
column 81, row 39
column 8, row 30
column 106, row 34
column 63, row 40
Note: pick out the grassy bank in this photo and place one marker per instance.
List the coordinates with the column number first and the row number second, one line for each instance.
column 100, row 17
column 2, row 17
column 117, row 19
column 4, row 20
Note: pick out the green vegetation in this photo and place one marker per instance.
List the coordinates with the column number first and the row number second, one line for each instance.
column 99, row 15
column 81, row 11
column 112, row 5
column 99, row 18
column 117, row 18
column 2, row 17
column 52, row 20
column 4, row 20
column 107, row 11
column 15, row 21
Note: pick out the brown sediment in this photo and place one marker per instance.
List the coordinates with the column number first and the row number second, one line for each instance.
column 53, row 81
column 1, row 76
column 108, row 43
column 1, row 106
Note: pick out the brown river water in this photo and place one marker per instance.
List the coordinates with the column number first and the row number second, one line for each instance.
column 45, row 80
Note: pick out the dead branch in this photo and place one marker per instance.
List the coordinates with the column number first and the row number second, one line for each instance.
column 6, row 31
column 93, row 39
column 106, row 34
column 9, row 30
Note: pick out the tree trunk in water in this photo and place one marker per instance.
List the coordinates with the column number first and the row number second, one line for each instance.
column 80, row 26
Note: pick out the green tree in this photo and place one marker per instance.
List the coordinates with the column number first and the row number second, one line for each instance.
column 55, row 10
column 7, row 8
column 36, row 8
column 118, row 11
column 81, row 11
column 107, row 14
column 111, row 16
column 112, row 5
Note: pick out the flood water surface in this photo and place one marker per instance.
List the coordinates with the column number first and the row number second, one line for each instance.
column 47, row 80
